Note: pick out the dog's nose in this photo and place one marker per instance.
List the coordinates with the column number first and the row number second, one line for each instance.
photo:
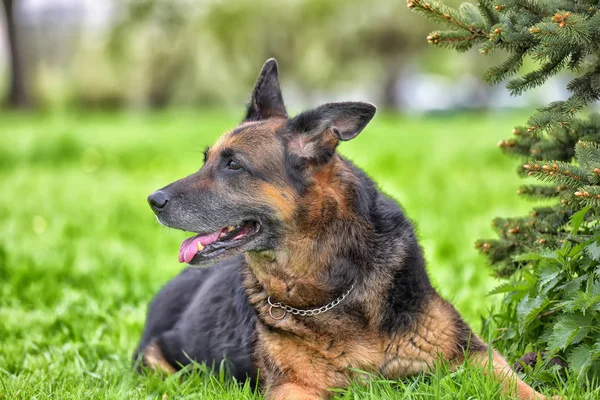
column 158, row 200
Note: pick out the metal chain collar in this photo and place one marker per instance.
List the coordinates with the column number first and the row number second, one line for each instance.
column 308, row 313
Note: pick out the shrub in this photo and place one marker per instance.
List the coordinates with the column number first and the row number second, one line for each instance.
column 551, row 257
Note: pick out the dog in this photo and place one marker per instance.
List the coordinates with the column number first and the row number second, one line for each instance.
column 315, row 274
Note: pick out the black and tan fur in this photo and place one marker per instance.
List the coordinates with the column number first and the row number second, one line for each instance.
column 324, row 227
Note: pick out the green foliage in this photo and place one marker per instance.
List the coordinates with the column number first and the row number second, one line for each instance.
column 549, row 257
column 554, row 306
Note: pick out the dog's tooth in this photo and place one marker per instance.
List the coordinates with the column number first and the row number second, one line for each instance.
column 229, row 228
column 200, row 247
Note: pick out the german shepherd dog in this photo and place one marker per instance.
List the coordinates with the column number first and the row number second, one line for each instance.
column 315, row 273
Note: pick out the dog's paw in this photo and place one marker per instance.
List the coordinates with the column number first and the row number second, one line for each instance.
column 153, row 358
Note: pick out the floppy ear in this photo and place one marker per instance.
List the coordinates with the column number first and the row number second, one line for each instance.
column 317, row 132
column 266, row 101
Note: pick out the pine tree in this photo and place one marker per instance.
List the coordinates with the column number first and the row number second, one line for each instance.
column 551, row 256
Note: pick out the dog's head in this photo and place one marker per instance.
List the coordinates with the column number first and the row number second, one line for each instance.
column 254, row 178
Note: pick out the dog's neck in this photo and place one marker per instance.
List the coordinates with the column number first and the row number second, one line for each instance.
column 301, row 273
column 313, row 263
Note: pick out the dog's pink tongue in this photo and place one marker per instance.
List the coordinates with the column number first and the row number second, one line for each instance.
column 189, row 247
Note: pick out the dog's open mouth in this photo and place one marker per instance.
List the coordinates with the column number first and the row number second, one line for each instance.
column 209, row 244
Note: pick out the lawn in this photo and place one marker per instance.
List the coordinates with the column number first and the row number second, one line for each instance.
column 81, row 254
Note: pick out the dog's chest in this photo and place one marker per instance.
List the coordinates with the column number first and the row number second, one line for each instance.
column 337, row 359
column 323, row 355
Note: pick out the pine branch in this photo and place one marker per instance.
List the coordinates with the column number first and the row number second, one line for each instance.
column 511, row 66
column 557, row 113
column 558, row 34
column 537, row 192
column 529, row 6
column 536, row 78
column 587, row 196
column 585, row 87
column 576, row 59
column 560, row 173
column 498, row 251
column 520, row 146
column 488, row 12
column 472, row 16
column 580, row 6
column 458, row 40
column 588, row 157
column 587, row 130
column 550, row 220
column 547, row 150
column 563, row 29
column 447, row 15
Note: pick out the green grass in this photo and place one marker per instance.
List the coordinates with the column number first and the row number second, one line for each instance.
column 81, row 254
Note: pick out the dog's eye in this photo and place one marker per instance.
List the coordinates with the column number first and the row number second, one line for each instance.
column 233, row 165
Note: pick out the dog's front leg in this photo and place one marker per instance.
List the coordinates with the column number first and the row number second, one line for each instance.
column 511, row 383
column 153, row 358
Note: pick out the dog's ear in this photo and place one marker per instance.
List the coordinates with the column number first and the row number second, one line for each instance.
column 317, row 132
column 266, row 101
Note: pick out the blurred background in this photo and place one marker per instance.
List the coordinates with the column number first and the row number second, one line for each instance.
column 145, row 54
column 106, row 101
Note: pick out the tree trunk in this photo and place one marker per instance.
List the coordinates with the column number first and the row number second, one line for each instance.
column 17, row 97
column 389, row 96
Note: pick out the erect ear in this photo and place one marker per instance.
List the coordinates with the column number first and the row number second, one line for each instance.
column 266, row 101
column 318, row 131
